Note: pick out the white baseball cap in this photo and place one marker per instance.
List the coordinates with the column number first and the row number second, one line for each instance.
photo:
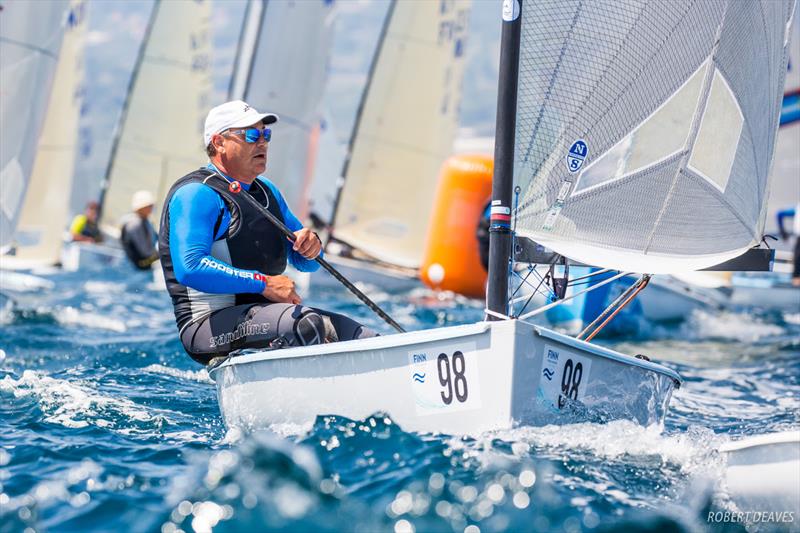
column 234, row 114
column 141, row 199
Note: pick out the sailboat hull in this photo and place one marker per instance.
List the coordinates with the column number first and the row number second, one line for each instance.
column 458, row 380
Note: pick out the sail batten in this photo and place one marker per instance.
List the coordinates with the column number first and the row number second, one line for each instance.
column 645, row 130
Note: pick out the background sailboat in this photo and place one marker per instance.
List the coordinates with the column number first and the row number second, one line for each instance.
column 403, row 133
column 31, row 35
column 45, row 213
column 281, row 67
column 160, row 131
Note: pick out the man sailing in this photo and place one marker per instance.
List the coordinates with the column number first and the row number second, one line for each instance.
column 223, row 261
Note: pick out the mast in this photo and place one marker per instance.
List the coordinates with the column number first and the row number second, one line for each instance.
column 340, row 185
column 252, row 26
column 503, row 179
column 126, row 105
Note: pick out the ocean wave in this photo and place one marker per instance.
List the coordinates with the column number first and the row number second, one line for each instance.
column 77, row 404
column 70, row 316
column 201, row 376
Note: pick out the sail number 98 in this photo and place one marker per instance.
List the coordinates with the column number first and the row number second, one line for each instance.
column 570, row 381
column 452, row 377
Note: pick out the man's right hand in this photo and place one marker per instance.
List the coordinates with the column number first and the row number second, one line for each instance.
column 280, row 289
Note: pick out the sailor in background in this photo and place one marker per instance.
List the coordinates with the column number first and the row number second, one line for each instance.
column 137, row 236
column 84, row 227
column 223, row 261
column 795, row 213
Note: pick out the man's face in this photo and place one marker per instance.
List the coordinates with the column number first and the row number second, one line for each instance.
column 242, row 158
column 91, row 213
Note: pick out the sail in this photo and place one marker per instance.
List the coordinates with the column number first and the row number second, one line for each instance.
column 646, row 129
column 161, row 129
column 38, row 238
column 30, row 39
column 785, row 184
column 404, row 132
column 282, row 67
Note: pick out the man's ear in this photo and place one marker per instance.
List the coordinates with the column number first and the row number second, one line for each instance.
column 217, row 141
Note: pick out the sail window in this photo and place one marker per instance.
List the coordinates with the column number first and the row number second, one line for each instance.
column 659, row 136
column 718, row 138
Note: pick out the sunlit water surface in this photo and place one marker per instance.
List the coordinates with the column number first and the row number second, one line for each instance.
column 106, row 425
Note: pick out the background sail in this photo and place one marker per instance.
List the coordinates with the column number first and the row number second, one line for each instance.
column 30, row 38
column 281, row 67
column 45, row 212
column 404, row 132
column 646, row 129
column 162, row 126
column 785, row 184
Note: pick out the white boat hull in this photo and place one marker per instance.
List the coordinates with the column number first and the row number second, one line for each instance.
column 81, row 256
column 762, row 473
column 768, row 292
column 457, row 380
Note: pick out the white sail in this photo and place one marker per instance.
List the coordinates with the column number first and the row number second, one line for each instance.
column 404, row 132
column 646, row 130
column 38, row 238
column 785, row 185
column 161, row 136
column 30, row 38
column 282, row 67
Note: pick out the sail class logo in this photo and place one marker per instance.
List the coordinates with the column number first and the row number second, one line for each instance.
column 577, row 155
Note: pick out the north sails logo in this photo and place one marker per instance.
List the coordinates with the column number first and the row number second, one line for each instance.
column 247, row 108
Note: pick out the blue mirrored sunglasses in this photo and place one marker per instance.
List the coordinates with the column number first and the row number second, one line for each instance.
column 252, row 135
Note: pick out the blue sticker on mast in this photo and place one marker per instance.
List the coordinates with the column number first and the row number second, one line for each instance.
column 577, row 155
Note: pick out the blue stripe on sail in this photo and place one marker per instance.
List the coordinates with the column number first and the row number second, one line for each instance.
column 790, row 110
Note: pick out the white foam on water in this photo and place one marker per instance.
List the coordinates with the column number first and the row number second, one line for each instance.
column 691, row 451
column 200, row 376
column 792, row 318
column 103, row 287
column 76, row 404
column 18, row 282
column 69, row 316
column 742, row 327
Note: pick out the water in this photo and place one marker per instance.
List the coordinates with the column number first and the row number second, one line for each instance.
column 106, row 425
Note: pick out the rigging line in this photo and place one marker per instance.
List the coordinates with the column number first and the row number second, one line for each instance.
column 495, row 314
column 559, row 302
column 591, row 274
column 523, row 281
column 542, row 279
column 640, row 285
column 610, row 308
column 534, row 293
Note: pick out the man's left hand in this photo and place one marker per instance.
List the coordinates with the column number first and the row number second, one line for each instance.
column 307, row 243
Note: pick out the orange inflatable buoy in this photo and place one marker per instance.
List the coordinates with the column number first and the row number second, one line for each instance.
column 452, row 260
